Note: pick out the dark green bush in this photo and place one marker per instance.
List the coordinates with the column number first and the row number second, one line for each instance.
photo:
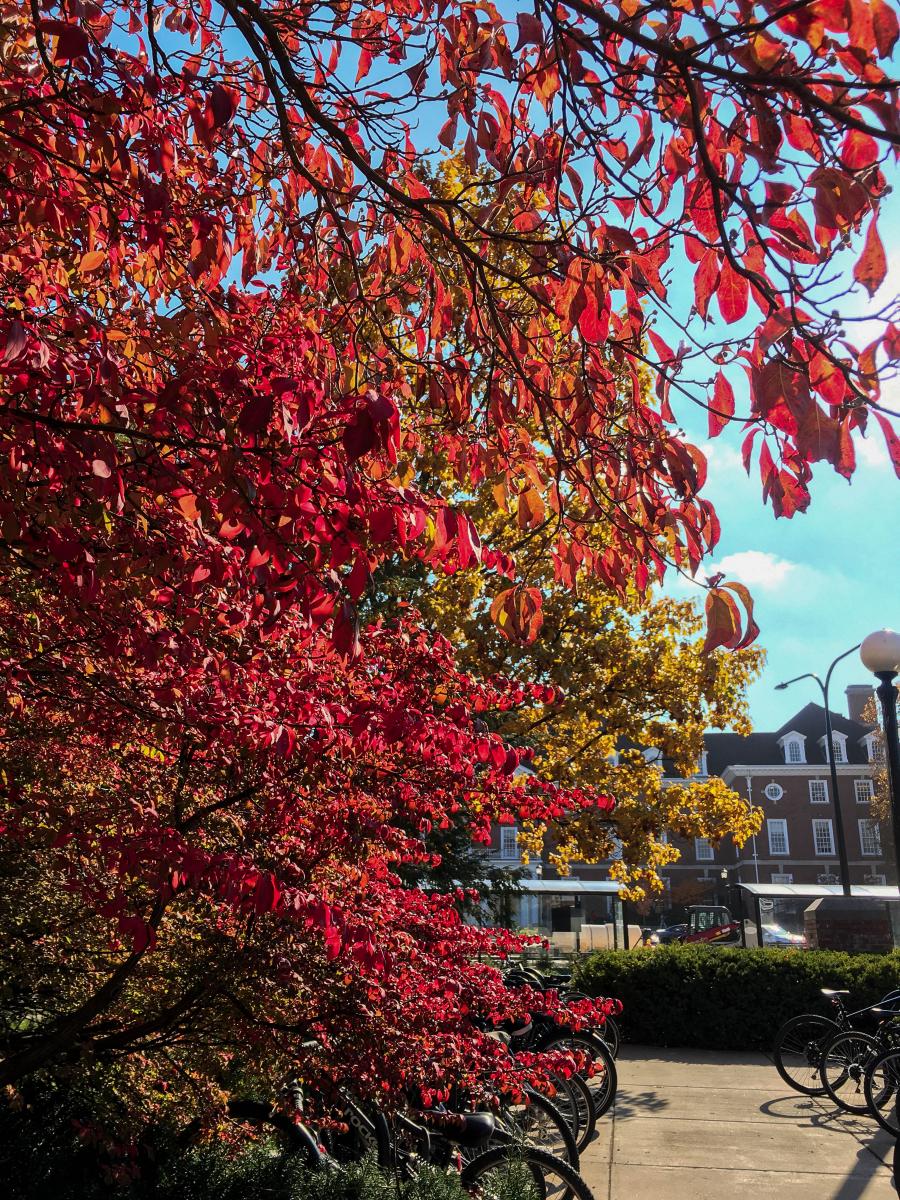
column 725, row 999
column 50, row 1149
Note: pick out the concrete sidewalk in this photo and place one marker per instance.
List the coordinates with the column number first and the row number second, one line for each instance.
column 701, row 1125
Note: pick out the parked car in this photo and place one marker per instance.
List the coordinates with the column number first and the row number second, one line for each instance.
column 668, row 934
column 777, row 935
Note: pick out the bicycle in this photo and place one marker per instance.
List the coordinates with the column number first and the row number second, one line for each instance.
column 846, row 1058
column 799, row 1043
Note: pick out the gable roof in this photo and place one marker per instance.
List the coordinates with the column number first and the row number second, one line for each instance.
column 762, row 749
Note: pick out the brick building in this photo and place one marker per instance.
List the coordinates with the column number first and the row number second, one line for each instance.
column 785, row 773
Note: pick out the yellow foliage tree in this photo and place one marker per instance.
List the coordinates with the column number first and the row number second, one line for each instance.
column 628, row 672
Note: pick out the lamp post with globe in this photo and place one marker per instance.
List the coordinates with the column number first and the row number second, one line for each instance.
column 880, row 652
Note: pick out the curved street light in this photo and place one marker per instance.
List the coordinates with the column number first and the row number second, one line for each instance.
column 880, row 652
column 829, row 742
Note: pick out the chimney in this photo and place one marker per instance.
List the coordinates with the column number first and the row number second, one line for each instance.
column 858, row 696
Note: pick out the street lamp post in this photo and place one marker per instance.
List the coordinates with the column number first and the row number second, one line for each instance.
column 880, row 652
column 829, row 742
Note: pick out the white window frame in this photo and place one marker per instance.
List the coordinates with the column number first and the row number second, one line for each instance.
column 781, row 877
column 791, row 745
column 869, row 830
column 869, row 787
column 823, row 823
column 818, row 785
column 794, row 743
column 776, row 787
column 507, row 832
column 708, row 853
column 779, row 827
column 839, row 743
column 874, row 748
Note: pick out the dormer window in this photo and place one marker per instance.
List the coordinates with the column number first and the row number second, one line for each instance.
column 793, row 746
column 703, row 769
column 874, row 747
column 839, row 744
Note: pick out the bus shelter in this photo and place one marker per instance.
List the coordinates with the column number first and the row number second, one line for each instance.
column 785, row 904
column 563, row 906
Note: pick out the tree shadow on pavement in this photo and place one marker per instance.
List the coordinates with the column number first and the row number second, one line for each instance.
column 629, row 1104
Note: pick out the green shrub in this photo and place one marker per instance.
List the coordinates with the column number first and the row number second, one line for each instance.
column 726, row 999
column 49, row 1150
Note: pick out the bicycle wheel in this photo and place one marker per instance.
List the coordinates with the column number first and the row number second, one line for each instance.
column 574, row 1101
column 881, row 1088
column 524, row 1173
column 540, row 1123
column 609, row 1031
column 603, row 1080
column 844, row 1061
column 798, row 1051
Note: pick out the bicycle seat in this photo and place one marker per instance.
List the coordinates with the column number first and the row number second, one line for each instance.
column 463, row 1129
column 835, row 991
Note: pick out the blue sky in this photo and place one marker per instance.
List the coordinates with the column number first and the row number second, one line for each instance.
column 824, row 579
column 821, row 581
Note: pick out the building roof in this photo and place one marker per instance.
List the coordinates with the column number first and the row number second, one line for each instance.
column 571, row 887
column 762, row 749
column 814, row 890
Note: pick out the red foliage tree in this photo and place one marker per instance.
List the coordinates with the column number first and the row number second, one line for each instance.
column 203, row 462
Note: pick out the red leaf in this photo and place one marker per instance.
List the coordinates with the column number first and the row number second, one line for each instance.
column 256, row 414
column 752, row 631
column 359, row 435
column 871, row 267
column 887, row 30
column 266, row 893
column 531, row 31
column 365, row 64
column 722, row 407
column 859, row 150
column 892, row 439
column 705, row 280
column 518, row 614
column 224, row 103
column 722, row 620
column 71, row 40
column 732, row 293
column 16, row 341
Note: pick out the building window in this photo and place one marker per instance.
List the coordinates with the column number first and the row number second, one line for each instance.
column 818, row 791
column 703, row 850
column 823, row 837
column 839, row 747
column 874, row 748
column 781, row 877
column 864, row 790
column 703, row 768
column 778, row 837
column 869, row 837
column 793, row 751
column 773, row 792
column 509, row 845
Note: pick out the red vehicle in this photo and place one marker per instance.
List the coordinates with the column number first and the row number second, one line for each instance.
column 712, row 923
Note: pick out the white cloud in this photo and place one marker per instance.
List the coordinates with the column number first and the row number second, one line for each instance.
column 757, row 569
column 871, row 451
column 722, row 458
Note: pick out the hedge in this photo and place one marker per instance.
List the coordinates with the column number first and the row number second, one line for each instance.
column 727, row 999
